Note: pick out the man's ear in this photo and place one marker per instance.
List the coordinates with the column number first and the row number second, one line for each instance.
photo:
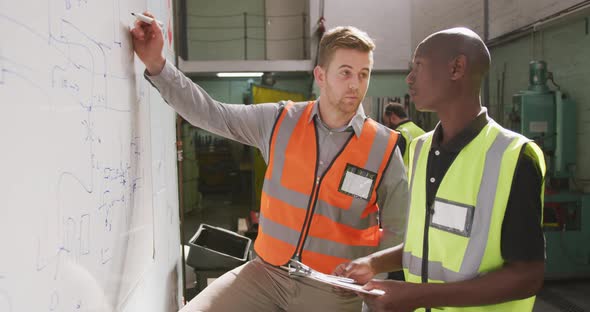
column 320, row 76
column 458, row 67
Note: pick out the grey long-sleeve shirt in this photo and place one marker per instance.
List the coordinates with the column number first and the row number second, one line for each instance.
column 252, row 125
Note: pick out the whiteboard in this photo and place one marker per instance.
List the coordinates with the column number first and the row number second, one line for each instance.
column 88, row 194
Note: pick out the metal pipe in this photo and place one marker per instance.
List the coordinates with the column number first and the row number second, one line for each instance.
column 486, row 20
column 181, row 31
column 245, row 35
column 265, row 35
column 303, row 36
column 486, row 35
column 180, row 197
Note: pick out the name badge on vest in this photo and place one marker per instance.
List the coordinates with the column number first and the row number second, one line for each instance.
column 452, row 217
column 357, row 182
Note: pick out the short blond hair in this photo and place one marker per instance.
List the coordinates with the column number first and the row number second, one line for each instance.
column 343, row 37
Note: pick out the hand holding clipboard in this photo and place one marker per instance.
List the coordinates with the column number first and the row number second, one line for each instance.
column 297, row 268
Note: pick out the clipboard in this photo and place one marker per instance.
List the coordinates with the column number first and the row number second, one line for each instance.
column 297, row 268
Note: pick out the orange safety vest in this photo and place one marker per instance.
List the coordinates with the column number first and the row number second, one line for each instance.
column 320, row 220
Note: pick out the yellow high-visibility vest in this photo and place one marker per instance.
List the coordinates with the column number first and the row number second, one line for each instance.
column 464, row 235
column 409, row 131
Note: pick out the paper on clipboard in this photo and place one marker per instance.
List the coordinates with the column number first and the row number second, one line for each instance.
column 328, row 279
column 297, row 268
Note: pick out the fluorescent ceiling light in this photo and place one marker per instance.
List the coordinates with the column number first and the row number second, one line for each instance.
column 244, row 74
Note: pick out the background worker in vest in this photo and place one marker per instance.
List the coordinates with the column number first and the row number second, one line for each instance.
column 396, row 118
column 334, row 176
column 483, row 249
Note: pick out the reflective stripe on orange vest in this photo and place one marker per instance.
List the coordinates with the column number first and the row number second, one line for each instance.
column 304, row 215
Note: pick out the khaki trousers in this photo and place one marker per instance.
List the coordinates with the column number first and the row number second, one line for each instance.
column 258, row 286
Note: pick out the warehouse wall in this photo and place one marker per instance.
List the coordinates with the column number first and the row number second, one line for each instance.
column 508, row 15
column 429, row 16
column 564, row 45
column 386, row 21
column 215, row 29
column 565, row 48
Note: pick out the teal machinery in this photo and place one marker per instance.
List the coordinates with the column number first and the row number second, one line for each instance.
column 549, row 117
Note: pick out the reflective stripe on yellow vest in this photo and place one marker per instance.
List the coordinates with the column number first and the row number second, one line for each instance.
column 409, row 131
column 300, row 209
column 475, row 179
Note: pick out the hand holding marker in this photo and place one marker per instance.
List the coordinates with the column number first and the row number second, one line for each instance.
column 147, row 19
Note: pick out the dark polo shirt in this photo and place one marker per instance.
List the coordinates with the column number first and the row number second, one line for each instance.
column 522, row 233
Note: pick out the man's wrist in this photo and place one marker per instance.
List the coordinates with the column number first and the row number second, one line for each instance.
column 374, row 264
column 156, row 68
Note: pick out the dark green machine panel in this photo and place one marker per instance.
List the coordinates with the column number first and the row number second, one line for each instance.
column 549, row 117
column 566, row 137
column 567, row 247
column 537, row 118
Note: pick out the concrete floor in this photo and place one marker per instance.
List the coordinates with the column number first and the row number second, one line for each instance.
column 566, row 295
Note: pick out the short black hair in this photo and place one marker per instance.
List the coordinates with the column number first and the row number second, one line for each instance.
column 397, row 109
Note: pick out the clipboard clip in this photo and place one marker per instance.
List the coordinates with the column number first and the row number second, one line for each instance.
column 297, row 268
